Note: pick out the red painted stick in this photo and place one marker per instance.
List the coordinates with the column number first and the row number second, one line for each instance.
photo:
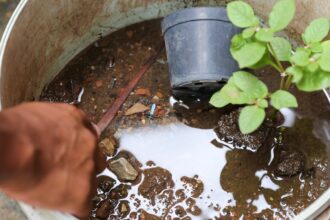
column 122, row 96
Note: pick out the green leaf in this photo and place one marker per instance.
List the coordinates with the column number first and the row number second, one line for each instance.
column 316, row 81
column 241, row 14
column 237, row 42
column 325, row 57
column 249, row 54
column 296, row 72
column 262, row 103
column 264, row 35
column 250, row 119
column 300, row 57
column 248, row 32
column 316, row 31
column 312, row 67
column 283, row 99
column 282, row 48
column 234, row 95
column 250, row 84
column 316, row 47
column 217, row 100
column 282, row 14
column 265, row 61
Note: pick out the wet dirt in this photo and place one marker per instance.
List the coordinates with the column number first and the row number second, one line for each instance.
column 228, row 131
column 185, row 170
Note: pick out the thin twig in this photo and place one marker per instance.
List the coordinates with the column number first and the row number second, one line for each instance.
column 112, row 111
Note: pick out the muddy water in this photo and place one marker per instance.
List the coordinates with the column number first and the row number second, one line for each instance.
column 186, row 172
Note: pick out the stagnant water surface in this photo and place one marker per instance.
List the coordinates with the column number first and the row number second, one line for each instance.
column 186, row 172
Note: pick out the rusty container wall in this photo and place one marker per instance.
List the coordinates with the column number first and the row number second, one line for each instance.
column 44, row 35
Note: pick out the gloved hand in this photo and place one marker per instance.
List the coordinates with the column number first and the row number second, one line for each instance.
column 49, row 157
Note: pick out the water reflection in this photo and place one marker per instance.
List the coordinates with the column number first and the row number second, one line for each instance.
column 236, row 182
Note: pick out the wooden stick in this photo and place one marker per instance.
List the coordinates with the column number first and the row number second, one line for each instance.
column 122, row 96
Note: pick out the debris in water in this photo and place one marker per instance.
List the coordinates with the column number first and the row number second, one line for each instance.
column 112, row 83
column 152, row 110
column 130, row 34
column 155, row 99
column 143, row 92
column 161, row 61
column 159, row 95
column 137, row 108
column 81, row 93
column 111, row 62
column 123, row 169
column 98, row 83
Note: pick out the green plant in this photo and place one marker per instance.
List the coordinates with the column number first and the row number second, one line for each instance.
column 308, row 67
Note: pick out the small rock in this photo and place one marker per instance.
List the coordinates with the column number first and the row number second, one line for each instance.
column 137, row 108
column 123, row 209
column 130, row 34
column 106, row 208
column 155, row 99
column 99, row 83
column 143, row 92
column 289, row 162
column 123, row 169
column 108, row 146
column 146, row 216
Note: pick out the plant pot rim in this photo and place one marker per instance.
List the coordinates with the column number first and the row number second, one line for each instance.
column 194, row 14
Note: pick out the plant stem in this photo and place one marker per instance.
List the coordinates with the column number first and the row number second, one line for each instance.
column 288, row 83
column 275, row 66
column 279, row 64
column 282, row 82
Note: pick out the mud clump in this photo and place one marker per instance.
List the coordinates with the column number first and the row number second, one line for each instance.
column 195, row 185
column 180, row 211
column 289, row 163
column 105, row 183
column 228, row 131
column 155, row 181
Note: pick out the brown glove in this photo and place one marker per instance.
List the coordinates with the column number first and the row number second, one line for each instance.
column 48, row 157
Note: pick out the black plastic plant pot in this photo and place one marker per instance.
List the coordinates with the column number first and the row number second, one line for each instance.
column 198, row 48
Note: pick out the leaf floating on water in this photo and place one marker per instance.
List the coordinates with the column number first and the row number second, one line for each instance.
column 137, row 108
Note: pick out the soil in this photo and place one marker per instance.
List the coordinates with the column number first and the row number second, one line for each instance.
column 228, row 131
column 155, row 181
column 289, row 163
column 186, row 169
